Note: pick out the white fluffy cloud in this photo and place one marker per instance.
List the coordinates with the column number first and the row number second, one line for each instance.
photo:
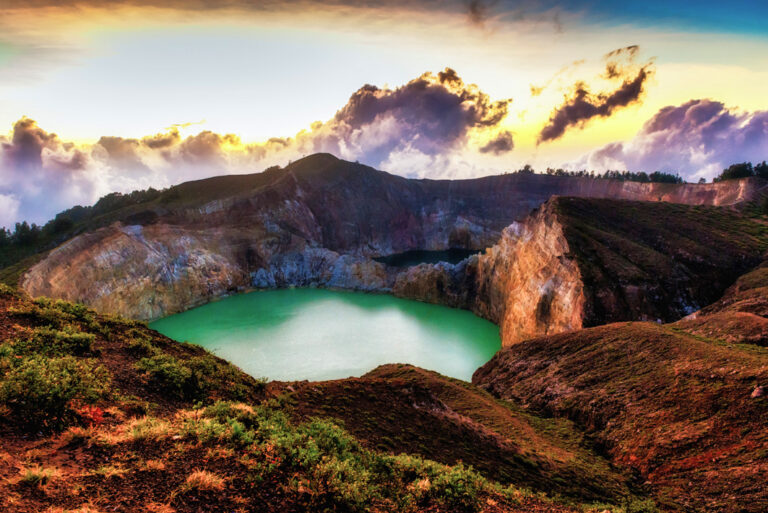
column 9, row 209
column 696, row 139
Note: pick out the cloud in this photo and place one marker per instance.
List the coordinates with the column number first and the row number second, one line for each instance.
column 696, row 139
column 536, row 90
column 25, row 149
column 165, row 140
column 9, row 209
column 41, row 174
column 581, row 105
column 502, row 143
column 431, row 114
column 430, row 120
column 124, row 153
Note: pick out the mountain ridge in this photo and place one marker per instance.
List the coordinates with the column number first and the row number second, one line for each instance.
column 317, row 222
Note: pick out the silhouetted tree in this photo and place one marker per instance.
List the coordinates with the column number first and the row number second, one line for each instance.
column 761, row 170
column 736, row 171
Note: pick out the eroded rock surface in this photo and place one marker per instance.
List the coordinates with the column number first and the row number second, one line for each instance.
column 576, row 263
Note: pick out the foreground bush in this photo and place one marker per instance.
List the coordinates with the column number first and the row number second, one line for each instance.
column 43, row 392
column 190, row 378
column 52, row 342
column 56, row 313
column 330, row 466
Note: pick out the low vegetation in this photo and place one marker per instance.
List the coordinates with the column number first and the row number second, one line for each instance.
column 137, row 422
column 404, row 408
column 99, row 413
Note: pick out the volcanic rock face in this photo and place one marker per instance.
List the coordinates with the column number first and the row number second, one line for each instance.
column 319, row 221
column 529, row 283
column 583, row 262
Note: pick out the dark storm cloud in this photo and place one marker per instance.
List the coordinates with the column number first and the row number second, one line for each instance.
column 25, row 149
column 581, row 104
column 698, row 138
column 502, row 143
column 431, row 113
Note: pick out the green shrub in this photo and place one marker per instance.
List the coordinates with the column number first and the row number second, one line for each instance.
column 167, row 371
column 209, row 373
column 458, row 488
column 331, row 466
column 142, row 346
column 7, row 290
column 228, row 430
column 52, row 342
column 641, row 506
column 57, row 314
column 195, row 377
column 41, row 392
column 39, row 315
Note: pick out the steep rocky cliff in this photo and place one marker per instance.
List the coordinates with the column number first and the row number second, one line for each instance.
column 320, row 220
column 740, row 316
column 580, row 262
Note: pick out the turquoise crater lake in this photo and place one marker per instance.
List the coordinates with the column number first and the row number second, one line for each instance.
column 316, row 334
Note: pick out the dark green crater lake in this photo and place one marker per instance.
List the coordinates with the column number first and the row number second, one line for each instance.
column 316, row 334
column 418, row 256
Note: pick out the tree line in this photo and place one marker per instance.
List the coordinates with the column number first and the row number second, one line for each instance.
column 743, row 170
column 28, row 238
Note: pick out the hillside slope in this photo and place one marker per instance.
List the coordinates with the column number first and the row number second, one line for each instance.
column 688, row 413
column 102, row 414
column 405, row 408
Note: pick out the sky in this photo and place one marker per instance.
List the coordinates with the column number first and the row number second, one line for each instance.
column 99, row 96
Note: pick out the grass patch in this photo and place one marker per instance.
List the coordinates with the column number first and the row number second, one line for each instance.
column 203, row 481
column 107, row 471
column 39, row 476
column 149, row 428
